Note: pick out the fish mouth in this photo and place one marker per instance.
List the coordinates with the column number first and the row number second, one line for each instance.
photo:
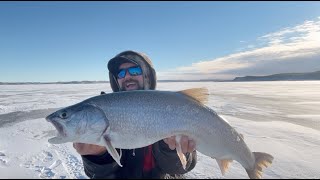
column 59, row 128
column 52, row 119
column 60, row 136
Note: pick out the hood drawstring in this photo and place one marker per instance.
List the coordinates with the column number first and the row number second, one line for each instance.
column 133, row 153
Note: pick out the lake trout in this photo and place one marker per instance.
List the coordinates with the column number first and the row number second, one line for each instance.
column 135, row 119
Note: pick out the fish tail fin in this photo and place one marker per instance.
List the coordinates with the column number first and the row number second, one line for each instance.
column 262, row 160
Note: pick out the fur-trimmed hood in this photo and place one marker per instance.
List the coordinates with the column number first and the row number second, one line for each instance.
column 149, row 74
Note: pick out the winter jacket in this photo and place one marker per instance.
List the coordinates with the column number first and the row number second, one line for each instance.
column 156, row 161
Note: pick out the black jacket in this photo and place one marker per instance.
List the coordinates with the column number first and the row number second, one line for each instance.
column 160, row 162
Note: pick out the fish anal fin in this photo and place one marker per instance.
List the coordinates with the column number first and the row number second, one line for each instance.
column 181, row 156
column 224, row 165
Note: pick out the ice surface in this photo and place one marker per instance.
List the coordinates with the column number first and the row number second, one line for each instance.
column 280, row 118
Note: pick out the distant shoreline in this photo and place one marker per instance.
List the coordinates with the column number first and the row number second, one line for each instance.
column 106, row 82
column 101, row 82
column 310, row 76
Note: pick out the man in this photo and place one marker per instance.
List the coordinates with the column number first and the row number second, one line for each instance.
column 128, row 71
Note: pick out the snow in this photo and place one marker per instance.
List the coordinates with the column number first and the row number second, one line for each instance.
column 280, row 118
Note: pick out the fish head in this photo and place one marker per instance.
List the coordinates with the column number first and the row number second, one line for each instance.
column 78, row 123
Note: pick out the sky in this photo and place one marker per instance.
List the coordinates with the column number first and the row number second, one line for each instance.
column 73, row 41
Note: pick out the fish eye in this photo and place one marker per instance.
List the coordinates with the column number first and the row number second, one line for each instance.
column 63, row 115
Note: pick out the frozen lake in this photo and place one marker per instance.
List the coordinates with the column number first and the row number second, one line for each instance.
column 280, row 118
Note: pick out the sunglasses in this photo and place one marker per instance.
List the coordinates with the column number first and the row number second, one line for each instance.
column 133, row 71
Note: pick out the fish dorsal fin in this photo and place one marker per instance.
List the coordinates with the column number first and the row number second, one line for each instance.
column 199, row 94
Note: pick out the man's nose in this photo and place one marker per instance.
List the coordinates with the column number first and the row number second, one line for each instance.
column 127, row 76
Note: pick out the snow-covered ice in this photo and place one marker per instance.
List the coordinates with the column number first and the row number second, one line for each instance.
column 280, row 118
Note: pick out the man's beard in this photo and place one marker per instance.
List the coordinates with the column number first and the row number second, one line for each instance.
column 128, row 81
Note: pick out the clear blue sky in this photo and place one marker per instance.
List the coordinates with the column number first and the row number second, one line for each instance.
column 66, row 41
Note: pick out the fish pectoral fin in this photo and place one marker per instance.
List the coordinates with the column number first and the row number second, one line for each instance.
column 56, row 140
column 224, row 164
column 181, row 156
column 111, row 150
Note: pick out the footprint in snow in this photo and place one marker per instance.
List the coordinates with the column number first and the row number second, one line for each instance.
column 3, row 160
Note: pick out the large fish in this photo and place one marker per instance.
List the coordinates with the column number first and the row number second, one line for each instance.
column 134, row 119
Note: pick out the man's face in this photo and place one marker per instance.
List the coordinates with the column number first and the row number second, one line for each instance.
column 129, row 82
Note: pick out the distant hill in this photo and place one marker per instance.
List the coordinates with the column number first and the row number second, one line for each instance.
column 282, row 77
